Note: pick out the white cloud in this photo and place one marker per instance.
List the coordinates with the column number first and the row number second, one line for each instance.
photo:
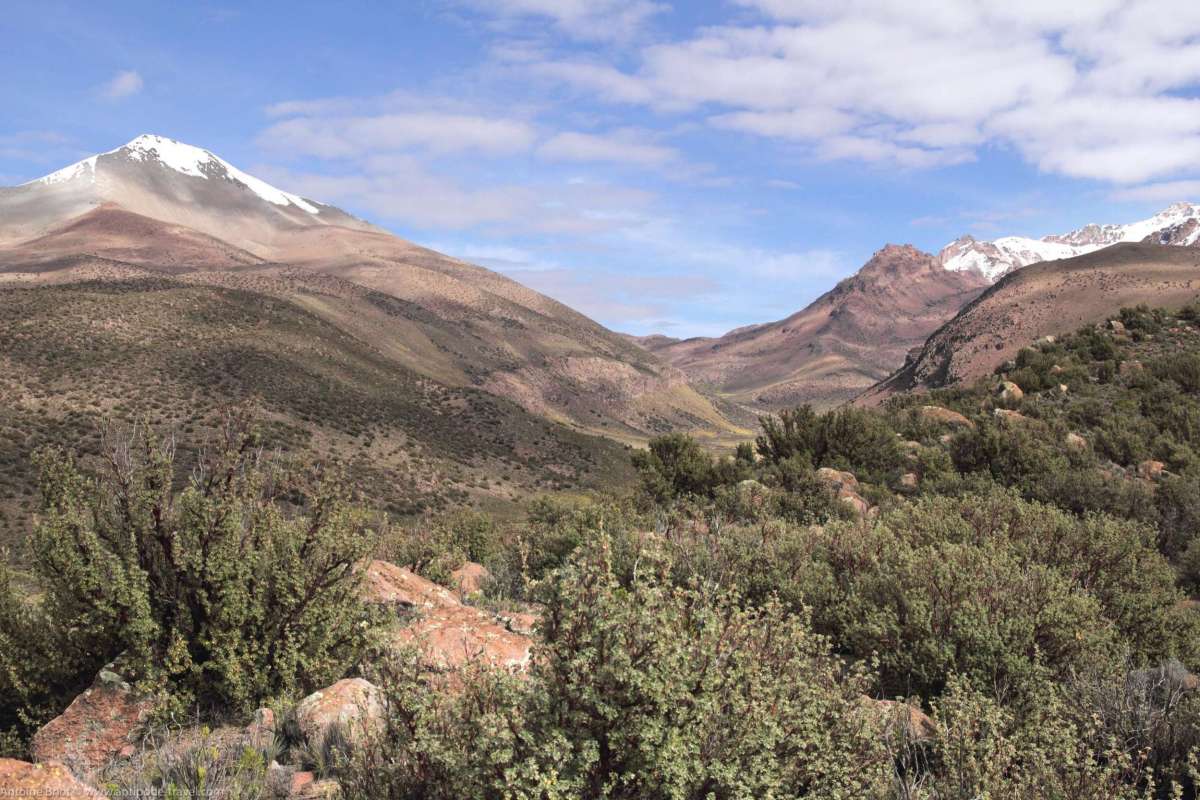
column 436, row 132
column 1164, row 192
column 1101, row 90
column 621, row 148
column 594, row 20
column 402, row 189
column 123, row 84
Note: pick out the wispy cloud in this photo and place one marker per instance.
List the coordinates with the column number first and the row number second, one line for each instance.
column 589, row 20
column 622, row 147
column 124, row 84
column 1164, row 192
column 356, row 136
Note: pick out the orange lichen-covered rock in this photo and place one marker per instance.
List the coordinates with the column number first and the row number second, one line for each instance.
column 96, row 728
column 469, row 578
column 945, row 416
column 51, row 779
column 387, row 584
column 354, row 704
column 450, row 637
column 888, row 714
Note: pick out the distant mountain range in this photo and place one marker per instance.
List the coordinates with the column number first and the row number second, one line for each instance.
column 156, row 212
column 159, row 282
column 1178, row 224
column 162, row 205
column 1049, row 298
column 860, row 332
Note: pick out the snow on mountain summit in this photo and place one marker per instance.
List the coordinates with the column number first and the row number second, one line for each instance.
column 183, row 158
column 1178, row 224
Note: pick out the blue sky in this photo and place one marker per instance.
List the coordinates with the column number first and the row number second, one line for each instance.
column 679, row 167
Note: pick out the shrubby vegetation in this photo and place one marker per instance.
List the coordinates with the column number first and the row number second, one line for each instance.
column 238, row 589
column 640, row 689
column 1022, row 577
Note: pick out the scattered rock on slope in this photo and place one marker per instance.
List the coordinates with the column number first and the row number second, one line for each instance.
column 52, row 779
column 98, row 726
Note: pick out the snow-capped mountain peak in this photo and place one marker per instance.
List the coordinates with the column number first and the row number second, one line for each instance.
column 182, row 158
column 1178, row 224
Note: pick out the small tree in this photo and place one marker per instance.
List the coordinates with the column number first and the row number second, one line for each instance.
column 675, row 465
column 239, row 588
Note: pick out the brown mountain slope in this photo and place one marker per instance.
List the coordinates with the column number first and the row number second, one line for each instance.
column 842, row 343
column 1049, row 298
column 111, row 232
column 170, row 207
column 177, row 349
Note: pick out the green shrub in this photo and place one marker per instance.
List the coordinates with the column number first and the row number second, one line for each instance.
column 639, row 690
column 240, row 588
column 853, row 439
column 990, row 586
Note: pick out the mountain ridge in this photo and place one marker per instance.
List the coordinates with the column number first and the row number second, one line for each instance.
column 464, row 325
column 1178, row 224
column 1047, row 298
column 840, row 344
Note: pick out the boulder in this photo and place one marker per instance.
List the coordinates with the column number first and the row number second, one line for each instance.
column 1151, row 470
column 305, row 786
column 856, row 502
column 262, row 729
column 836, row 479
column 449, row 638
column 1007, row 417
column 521, row 622
column 469, row 578
column 1063, row 388
column 1009, row 392
column 909, row 480
column 1047, row 340
column 945, row 416
column 888, row 715
column 51, row 779
column 752, row 495
column 1057, row 370
column 1075, row 442
column 388, row 585
column 354, row 704
column 98, row 726
column 1116, row 326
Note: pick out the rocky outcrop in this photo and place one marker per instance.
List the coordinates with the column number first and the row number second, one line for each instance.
column 837, row 479
column 1007, row 417
column 1151, row 470
column 305, row 786
column 1009, row 392
column 887, row 716
column 352, row 704
column 944, row 416
column 845, row 487
column 449, row 638
column 51, row 779
column 469, row 578
column 388, row 585
column 99, row 725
